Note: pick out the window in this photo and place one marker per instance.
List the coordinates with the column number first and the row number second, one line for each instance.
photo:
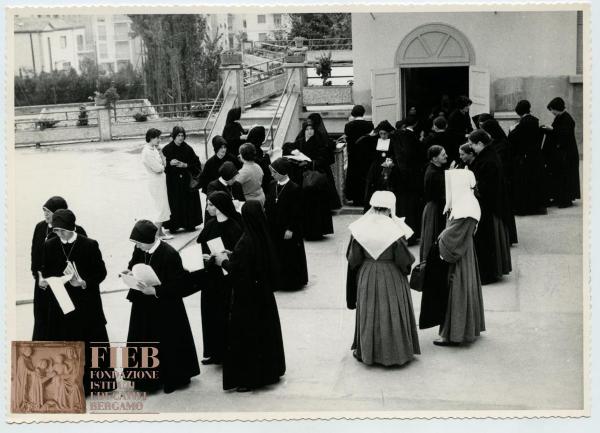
column 277, row 19
column 121, row 31
column 100, row 20
column 262, row 36
column 103, row 51
column 244, row 24
column 579, row 59
column 231, row 41
column 63, row 42
column 122, row 50
column 262, row 19
column 80, row 43
column 66, row 66
column 102, row 33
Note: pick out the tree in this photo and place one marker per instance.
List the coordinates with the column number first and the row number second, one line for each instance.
column 179, row 55
column 321, row 26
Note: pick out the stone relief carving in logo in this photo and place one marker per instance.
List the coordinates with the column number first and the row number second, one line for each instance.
column 47, row 377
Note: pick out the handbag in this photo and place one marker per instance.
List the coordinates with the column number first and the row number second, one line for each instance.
column 417, row 277
column 313, row 179
column 194, row 182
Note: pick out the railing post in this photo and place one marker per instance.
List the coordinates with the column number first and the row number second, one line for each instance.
column 297, row 72
column 104, row 128
column 234, row 80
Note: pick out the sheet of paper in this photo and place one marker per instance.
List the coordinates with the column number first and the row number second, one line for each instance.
column 299, row 157
column 57, row 284
column 129, row 281
column 383, row 145
column 216, row 245
column 145, row 274
column 192, row 259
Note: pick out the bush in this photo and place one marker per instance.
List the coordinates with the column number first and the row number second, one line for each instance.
column 140, row 117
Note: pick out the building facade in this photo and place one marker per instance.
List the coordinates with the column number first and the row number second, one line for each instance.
column 237, row 28
column 46, row 44
column 497, row 58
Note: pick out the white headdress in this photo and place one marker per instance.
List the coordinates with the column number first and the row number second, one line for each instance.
column 460, row 199
column 376, row 232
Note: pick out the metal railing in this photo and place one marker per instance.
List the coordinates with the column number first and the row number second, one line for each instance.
column 53, row 119
column 262, row 71
column 198, row 108
column 310, row 44
column 212, row 109
column 283, row 95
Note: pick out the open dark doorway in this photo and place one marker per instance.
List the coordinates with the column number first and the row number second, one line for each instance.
column 433, row 88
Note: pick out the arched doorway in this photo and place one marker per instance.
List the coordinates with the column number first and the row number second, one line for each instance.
column 434, row 64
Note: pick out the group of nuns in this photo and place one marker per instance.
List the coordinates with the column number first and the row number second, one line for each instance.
column 264, row 252
column 460, row 189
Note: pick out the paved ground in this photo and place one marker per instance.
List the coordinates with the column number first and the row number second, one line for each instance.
column 529, row 358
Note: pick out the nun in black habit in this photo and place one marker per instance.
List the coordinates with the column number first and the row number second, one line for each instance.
column 87, row 322
column 434, row 196
column 182, row 163
column 563, row 155
column 233, row 132
column 283, row 209
column 383, row 172
column 42, row 233
column 255, row 355
column 529, row 176
column 158, row 312
column 212, row 165
column 502, row 147
column 492, row 240
column 360, row 155
column 226, row 183
column 316, row 218
column 226, row 224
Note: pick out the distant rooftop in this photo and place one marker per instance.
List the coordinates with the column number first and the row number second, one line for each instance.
column 42, row 24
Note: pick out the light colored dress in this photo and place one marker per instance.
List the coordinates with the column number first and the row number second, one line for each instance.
column 250, row 177
column 386, row 330
column 464, row 315
column 154, row 161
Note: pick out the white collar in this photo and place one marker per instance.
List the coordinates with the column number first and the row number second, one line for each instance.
column 72, row 240
column 223, row 181
column 375, row 232
column 283, row 182
column 154, row 247
column 410, row 128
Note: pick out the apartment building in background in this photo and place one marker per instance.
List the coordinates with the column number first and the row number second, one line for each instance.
column 237, row 28
column 46, row 44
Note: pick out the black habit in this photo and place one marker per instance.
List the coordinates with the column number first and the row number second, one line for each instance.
column 186, row 210
column 87, row 322
column 379, row 178
column 211, row 169
column 529, row 194
column 216, row 293
column 360, row 155
column 434, row 196
column 410, row 158
column 163, row 319
column 492, row 243
column 255, row 356
column 41, row 234
column 283, row 209
column 316, row 219
column 564, row 160
column 459, row 125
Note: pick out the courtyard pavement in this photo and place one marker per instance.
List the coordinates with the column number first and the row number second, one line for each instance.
column 530, row 357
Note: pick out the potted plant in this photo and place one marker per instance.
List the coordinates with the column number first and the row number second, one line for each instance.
column 83, row 116
column 299, row 41
column 140, row 117
column 294, row 56
column 98, row 98
column 231, row 58
column 323, row 68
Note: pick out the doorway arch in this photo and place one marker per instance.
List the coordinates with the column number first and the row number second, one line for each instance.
column 435, row 44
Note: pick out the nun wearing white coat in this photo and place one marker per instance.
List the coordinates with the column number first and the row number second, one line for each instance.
column 378, row 264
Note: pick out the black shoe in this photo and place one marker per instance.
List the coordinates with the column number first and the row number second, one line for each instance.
column 445, row 343
column 211, row 360
column 565, row 205
column 168, row 389
column 243, row 389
